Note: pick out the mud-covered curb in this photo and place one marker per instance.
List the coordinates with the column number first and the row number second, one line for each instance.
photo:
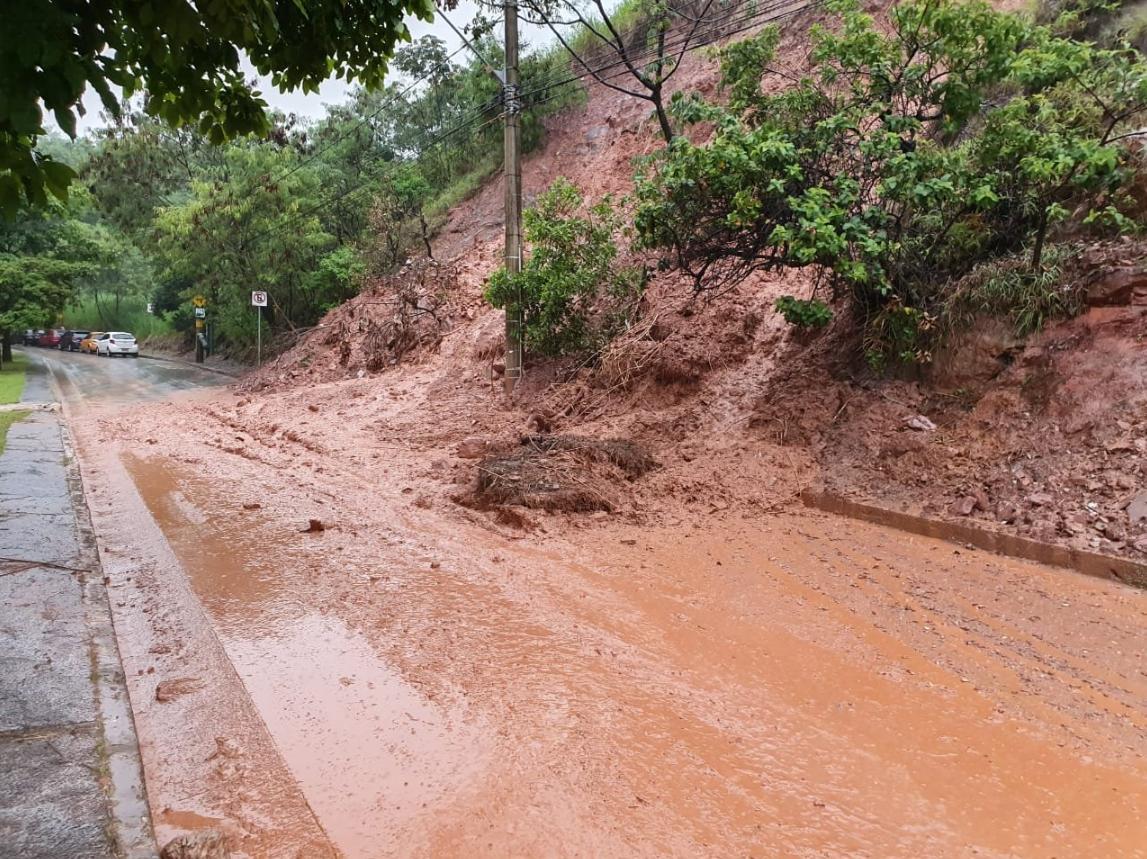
column 230, row 374
column 1095, row 564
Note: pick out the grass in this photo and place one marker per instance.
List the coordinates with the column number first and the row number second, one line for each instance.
column 6, row 420
column 12, row 379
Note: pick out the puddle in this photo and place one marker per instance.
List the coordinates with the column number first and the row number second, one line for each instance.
column 370, row 753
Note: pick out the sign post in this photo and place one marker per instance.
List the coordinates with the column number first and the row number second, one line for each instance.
column 259, row 300
column 200, row 304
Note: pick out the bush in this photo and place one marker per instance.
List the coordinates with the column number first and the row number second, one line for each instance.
column 571, row 294
column 810, row 313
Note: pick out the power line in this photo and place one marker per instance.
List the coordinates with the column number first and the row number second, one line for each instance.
column 716, row 33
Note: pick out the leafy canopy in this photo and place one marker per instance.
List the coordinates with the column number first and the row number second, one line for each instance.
column 902, row 159
column 185, row 55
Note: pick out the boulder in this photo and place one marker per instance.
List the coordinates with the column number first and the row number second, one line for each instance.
column 1117, row 286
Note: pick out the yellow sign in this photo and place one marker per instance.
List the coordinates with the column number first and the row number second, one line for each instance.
column 199, row 301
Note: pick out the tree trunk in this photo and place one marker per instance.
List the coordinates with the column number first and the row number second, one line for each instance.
column 662, row 117
column 6, row 349
column 1040, row 236
column 425, row 234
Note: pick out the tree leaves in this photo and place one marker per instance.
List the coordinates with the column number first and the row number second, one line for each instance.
column 186, row 56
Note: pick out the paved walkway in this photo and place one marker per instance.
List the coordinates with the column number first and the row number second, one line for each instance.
column 70, row 783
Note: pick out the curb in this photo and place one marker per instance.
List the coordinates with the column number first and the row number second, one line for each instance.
column 1133, row 573
column 203, row 367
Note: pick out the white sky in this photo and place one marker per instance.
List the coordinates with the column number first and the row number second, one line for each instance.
column 333, row 91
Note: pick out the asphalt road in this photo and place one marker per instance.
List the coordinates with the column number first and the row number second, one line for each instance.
column 88, row 379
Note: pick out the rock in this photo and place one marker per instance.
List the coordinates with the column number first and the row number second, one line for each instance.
column 169, row 690
column 976, row 355
column 314, row 526
column 1007, row 513
column 919, row 423
column 1040, row 499
column 204, row 844
column 1114, row 531
column 1137, row 509
column 1116, row 287
column 472, row 448
column 963, row 506
column 901, row 443
column 252, row 505
column 982, row 501
column 1119, row 480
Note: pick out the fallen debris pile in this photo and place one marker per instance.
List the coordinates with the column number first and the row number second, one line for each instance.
column 559, row 472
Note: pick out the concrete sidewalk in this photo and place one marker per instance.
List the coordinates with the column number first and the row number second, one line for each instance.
column 70, row 778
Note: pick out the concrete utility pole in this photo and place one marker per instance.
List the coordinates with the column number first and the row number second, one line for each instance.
column 511, row 96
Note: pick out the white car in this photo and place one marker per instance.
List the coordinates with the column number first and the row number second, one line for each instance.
column 117, row 343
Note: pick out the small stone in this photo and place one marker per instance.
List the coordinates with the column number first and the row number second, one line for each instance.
column 471, row 448
column 963, row 506
column 982, row 501
column 1137, row 509
column 314, row 526
column 920, row 423
column 252, row 505
column 1040, row 499
column 204, row 844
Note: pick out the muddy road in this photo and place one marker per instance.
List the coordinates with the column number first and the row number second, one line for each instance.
column 399, row 680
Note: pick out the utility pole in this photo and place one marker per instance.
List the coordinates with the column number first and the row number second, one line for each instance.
column 511, row 97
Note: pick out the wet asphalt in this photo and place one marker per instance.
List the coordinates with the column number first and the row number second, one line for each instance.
column 70, row 779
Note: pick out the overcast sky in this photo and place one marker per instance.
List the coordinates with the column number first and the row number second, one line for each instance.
column 333, row 91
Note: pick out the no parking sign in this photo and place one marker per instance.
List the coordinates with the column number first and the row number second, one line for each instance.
column 258, row 299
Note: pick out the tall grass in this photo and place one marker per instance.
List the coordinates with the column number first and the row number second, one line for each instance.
column 132, row 316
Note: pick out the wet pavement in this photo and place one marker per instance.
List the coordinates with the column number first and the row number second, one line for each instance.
column 70, row 780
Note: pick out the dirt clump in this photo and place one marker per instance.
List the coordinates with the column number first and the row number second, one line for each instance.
column 396, row 318
column 562, row 473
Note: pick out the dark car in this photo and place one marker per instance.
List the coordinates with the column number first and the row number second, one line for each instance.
column 70, row 341
column 32, row 337
column 51, row 339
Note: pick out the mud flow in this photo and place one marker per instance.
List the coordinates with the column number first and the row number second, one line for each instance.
column 798, row 685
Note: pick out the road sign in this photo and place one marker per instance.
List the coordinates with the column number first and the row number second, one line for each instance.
column 150, row 307
column 200, row 313
column 258, row 299
column 199, row 301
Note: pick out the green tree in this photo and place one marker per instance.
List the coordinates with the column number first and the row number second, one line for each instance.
column 185, row 55
column 571, row 292
column 43, row 256
column 902, row 160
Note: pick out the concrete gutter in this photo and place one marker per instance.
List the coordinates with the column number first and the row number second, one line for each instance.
column 1095, row 564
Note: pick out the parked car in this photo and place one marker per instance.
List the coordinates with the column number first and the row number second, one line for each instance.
column 71, row 340
column 32, row 337
column 50, row 338
column 114, row 343
column 88, row 344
